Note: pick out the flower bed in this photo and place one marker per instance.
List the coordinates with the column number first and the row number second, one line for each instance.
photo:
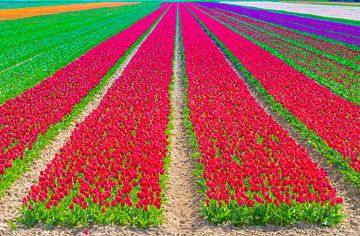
column 251, row 171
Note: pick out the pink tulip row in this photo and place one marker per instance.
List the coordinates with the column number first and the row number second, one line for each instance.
column 114, row 161
column 334, row 119
column 252, row 170
column 31, row 114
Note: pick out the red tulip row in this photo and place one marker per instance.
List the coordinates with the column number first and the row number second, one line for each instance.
column 111, row 171
column 326, row 71
column 252, row 171
column 334, row 119
column 322, row 45
column 31, row 114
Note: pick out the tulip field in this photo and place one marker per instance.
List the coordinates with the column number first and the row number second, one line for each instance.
column 185, row 118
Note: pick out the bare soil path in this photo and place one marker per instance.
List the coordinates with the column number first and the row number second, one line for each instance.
column 182, row 209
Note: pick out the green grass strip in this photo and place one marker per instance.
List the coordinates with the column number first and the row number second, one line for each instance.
column 18, row 56
column 28, row 28
column 24, row 32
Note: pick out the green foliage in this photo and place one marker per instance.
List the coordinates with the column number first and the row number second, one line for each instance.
column 261, row 214
column 62, row 215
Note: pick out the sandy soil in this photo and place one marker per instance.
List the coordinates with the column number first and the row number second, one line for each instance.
column 182, row 210
column 336, row 11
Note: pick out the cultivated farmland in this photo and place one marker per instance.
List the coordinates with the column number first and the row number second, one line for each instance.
column 178, row 118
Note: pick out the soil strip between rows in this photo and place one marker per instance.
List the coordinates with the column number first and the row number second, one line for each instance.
column 182, row 208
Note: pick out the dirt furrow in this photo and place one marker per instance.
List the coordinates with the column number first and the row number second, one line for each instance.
column 182, row 208
column 12, row 199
